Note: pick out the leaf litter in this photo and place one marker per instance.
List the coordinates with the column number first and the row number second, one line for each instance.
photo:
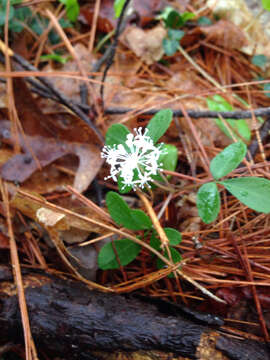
column 58, row 149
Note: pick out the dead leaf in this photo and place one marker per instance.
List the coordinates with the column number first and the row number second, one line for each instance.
column 239, row 14
column 48, row 138
column 31, row 209
column 224, row 33
column 70, row 86
column 143, row 11
column 146, row 44
column 48, row 217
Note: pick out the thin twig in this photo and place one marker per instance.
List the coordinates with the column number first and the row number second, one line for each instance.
column 196, row 114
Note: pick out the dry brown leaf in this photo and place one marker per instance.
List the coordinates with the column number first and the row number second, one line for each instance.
column 66, row 223
column 48, row 138
column 224, row 33
column 68, row 85
column 238, row 13
column 146, row 44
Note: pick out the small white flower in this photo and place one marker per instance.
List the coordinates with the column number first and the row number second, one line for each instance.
column 135, row 162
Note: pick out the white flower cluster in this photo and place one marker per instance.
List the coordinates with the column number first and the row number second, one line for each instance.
column 136, row 162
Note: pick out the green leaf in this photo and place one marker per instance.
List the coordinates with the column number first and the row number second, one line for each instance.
column 252, row 191
column 170, row 47
column 266, row 89
column 259, row 60
column 3, row 12
column 266, row 4
column 204, row 20
column 72, row 9
column 228, row 159
column 208, row 202
column 159, row 124
column 175, row 34
column 187, row 16
column 170, row 158
column 173, row 20
column 124, row 216
column 123, row 189
column 174, row 237
column 168, row 161
column 116, row 134
column 176, row 257
column 118, row 6
column 127, row 251
column 239, row 127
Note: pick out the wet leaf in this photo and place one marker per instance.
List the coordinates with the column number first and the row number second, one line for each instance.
column 259, row 60
column 174, row 237
column 159, row 124
column 124, row 216
column 228, row 159
column 126, row 251
column 252, row 191
column 208, row 202
column 116, row 134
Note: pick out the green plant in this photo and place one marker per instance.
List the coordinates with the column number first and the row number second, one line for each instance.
column 72, row 9
column 266, row 4
column 135, row 163
column 136, row 160
column 118, row 6
column 173, row 20
column 19, row 17
column 252, row 191
column 122, row 252
column 16, row 15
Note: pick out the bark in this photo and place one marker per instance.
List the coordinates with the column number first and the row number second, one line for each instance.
column 70, row 320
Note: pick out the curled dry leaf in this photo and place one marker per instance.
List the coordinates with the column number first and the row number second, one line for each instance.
column 49, row 218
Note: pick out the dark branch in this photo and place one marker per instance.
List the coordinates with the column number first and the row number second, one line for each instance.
column 195, row 114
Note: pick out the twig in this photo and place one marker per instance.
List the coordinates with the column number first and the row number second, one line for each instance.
column 262, row 135
column 196, row 114
column 163, row 237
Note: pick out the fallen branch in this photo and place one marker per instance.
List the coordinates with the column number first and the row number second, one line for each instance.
column 69, row 319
